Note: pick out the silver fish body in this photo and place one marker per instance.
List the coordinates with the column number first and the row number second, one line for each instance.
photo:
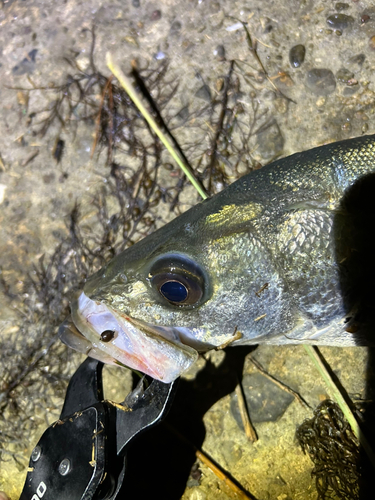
column 275, row 258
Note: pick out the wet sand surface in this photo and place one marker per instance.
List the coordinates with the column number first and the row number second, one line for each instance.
column 325, row 93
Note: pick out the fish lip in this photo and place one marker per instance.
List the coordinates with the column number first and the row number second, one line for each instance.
column 156, row 351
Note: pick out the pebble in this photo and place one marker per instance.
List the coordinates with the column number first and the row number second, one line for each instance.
column 219, row 84
column 341, row 6
column 136, row 3
column 344, row 75
column 297, row 55
column 320, row 81
column 351, row 88
column 270, row 142
column 367, row 19
column 358, row 59
column 361, row 115
column 48, row 178
column 339, row 21
column 183, row 114
column 204, row 93
column 27, row 65
column 156, row 15
column 219, row 52
column 281, row 105
column 371, row 43
column 175, row 28
column 215, row 7
column 346, row 127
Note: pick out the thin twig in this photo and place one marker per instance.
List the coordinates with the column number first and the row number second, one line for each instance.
column 30, row 157
column 257, row 58
column 282, row 386
column 248, row 426
column 221, row 475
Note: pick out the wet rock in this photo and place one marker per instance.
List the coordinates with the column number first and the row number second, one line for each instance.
column 281, row 105
column 219, row 84
column 219, row 52
column 27, row 65
column 183, row 114
column 204, row 93
column 297, row 55
column 339, row 21
column 195, row 476
column 215, row 7
column 358, row 59
column 348, row 91
column 156, row 15
column 321, row 81
column 265, row 401
column 175, row 28
column 368, row 21
column 340, row 6
column 344, row 75
column 270, row 141
column 48, row 178
column 231, row 451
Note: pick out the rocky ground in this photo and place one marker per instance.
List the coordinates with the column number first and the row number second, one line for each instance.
column 319, row 58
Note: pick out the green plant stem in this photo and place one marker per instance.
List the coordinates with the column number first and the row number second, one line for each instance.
column 128, row 87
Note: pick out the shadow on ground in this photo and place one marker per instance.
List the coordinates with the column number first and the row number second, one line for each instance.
column 159, row 463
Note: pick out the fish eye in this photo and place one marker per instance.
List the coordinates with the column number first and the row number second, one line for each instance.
column 174, row 291
column 178, row 280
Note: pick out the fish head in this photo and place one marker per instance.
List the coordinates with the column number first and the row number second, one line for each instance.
column 180, row 291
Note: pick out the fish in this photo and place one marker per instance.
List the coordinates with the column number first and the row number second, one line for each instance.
column 281, row 256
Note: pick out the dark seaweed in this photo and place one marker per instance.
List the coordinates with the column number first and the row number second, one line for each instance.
column 334, row 450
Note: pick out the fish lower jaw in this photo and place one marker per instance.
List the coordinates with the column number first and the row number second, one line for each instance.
column 156, row 351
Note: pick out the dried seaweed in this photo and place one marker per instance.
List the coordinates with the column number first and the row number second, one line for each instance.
column 334, row 450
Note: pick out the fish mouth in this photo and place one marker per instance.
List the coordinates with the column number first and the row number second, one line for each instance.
column 153, row 350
